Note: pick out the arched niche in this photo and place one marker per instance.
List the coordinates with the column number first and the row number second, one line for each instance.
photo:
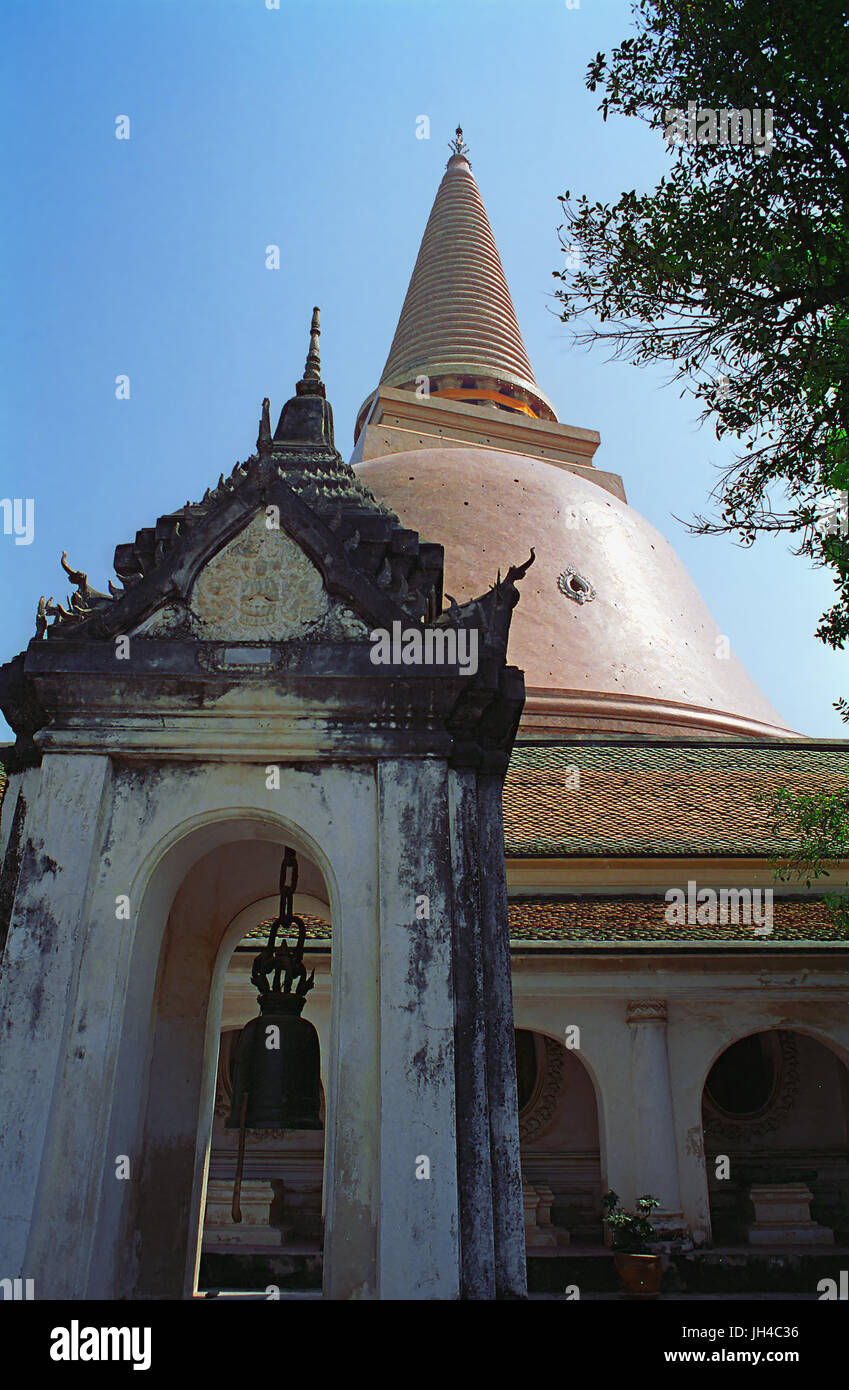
column 775, row 1111
column 559, row 1133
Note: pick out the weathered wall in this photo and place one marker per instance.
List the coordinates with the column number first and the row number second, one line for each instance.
column 135, row 1004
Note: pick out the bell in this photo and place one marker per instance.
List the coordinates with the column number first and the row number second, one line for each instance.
column 277, row 1073
column 276, row 1076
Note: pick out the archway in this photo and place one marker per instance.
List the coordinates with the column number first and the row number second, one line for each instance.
column 560, row 1145
column 775, row 1111
column 280, row 1238
column 193, row 893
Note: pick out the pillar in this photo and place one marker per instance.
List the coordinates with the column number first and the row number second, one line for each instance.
column 502, row 1085
column 655, row 1156
column 40, row 969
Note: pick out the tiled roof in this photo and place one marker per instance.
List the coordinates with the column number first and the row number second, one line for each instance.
column 595, row 920
column 652, row 797
column 317, row 929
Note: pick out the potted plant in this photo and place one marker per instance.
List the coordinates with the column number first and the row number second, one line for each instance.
column 639, row 1271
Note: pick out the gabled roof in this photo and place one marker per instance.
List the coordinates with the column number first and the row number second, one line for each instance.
column 362, row 549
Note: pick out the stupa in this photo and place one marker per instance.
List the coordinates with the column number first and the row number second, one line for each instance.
column 459, row 440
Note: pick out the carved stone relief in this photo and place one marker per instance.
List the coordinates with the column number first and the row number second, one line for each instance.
column 260, row 587
column 540, row 1109
column 720, row 1125
column 646, row 1011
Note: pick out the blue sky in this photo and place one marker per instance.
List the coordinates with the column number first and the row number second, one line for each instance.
column 251, row 126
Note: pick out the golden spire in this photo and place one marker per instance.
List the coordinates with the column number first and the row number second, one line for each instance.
column 458, row 328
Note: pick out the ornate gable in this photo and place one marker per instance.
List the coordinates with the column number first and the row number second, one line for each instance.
column 260, row 587
column 291, row 545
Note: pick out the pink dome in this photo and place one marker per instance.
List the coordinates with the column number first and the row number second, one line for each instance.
column 639, row 654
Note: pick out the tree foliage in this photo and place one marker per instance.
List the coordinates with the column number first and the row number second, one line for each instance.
column 735, row 268
column 814, row 828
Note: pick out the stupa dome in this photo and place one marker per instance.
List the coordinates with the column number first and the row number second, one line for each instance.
column 611, row 632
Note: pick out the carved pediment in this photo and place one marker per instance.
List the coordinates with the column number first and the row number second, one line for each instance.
column 262, row 587
column 259, row 587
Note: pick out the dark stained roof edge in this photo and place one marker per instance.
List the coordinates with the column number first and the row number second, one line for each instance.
column 650, row 852
column 658, row 946
column 646, row 741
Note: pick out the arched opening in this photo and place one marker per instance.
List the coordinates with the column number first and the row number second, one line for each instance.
column 198, row 894
column 560, row 1149
column 279, row 1240
column 775, row 1112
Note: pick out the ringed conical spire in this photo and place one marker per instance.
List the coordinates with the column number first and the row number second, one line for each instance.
column 458, row 330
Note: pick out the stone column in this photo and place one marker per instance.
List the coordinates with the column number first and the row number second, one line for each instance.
column 474, row 1163
column 418, row 1241
column 442, row 1180
column 392, row 1229
column 502, row 1085
column 655, row 1157
column 39, row 975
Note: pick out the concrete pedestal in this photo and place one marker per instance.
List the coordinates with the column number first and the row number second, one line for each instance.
column 783, row 1216
column 537, row 1201
column 221, row 1232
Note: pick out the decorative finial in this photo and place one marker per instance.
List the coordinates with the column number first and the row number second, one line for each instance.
column 457, row 144
column 263, row 443
column 310, row 383
column 312, row 371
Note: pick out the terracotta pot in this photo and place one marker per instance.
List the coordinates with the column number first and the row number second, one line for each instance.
column 639, row 1275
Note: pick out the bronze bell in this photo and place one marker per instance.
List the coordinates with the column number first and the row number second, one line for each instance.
column 276, row 1075
column 276, row 1072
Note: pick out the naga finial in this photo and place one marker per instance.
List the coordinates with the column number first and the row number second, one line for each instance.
column 76, row 577
column 55, row 610
column 519, row 571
